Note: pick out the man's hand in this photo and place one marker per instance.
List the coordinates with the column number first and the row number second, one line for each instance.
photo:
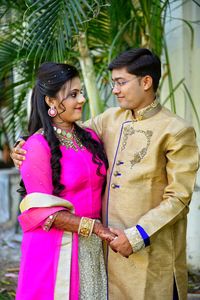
column 121, row 243
column 18, row 154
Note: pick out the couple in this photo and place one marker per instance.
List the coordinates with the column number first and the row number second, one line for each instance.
column 152, row 163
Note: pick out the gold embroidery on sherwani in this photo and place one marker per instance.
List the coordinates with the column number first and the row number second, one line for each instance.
column 138, row 155
column 143, row 113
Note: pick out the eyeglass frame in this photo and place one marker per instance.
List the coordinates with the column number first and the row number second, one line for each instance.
column 120, row 84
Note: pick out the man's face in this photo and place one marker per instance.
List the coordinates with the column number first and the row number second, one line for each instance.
column 130, row 90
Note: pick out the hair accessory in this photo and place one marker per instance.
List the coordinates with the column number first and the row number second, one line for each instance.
column 86, row 226
column 52, row 111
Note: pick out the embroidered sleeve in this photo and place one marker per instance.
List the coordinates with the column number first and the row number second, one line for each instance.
column 182, row 158
column 137, row 237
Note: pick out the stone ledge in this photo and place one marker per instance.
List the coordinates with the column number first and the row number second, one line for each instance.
column 193, row 296
column 9, row 198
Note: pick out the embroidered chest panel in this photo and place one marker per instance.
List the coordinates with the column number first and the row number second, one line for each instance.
column 137, row 135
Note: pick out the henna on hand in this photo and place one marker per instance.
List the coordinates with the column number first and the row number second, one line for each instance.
column 103, row 232
column 69, row 222
column 66, row 221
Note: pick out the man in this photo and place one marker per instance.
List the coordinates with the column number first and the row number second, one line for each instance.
column 153, row 160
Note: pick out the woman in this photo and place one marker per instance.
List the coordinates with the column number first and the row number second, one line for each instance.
column 63, row 175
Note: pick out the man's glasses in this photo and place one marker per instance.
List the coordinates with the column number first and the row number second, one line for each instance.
column 119, row 84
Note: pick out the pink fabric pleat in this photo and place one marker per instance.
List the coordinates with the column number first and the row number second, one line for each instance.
column 32, row 218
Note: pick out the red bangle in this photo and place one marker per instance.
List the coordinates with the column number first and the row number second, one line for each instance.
column 49, row 222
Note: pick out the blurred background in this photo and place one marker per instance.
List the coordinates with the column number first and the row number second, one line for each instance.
column 89, row 34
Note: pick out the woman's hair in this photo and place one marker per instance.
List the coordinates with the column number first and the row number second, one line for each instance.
column 50, row 79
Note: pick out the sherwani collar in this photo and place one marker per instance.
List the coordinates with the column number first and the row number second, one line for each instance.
column 148, row 111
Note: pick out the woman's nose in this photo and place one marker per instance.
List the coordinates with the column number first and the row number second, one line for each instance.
column 81, row 98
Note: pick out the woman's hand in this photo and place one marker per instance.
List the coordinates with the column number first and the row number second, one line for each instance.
column 69, row 222
column 103, row 232
column 18, row 154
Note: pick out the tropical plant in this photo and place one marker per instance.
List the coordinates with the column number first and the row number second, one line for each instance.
column 85, row 33
column 33, row 32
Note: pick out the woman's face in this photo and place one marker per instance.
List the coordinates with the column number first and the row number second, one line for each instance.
column 69, row 103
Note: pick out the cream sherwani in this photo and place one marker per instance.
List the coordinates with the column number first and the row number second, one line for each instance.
column 152, row 167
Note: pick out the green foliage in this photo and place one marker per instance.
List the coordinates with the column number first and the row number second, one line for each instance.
column 51, row 30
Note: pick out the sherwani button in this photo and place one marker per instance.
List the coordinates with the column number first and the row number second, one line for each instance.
column 116, row 173
column 113, row 185
column 118, row 163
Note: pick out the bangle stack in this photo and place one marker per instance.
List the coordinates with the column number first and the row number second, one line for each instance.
column 49, row 222
column 86, row 226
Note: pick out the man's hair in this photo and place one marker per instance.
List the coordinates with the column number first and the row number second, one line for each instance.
column 140, row 62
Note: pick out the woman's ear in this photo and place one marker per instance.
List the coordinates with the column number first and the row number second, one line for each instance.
column 147, row 82
column 50, row 101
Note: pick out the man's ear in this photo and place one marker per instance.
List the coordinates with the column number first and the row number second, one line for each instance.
column 50, row 101
column 147, row 82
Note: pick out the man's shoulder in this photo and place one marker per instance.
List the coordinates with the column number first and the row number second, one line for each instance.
column 114, row 113
column 175, row 122
column 112, row 110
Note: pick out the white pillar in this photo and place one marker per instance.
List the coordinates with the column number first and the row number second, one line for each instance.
column 193, row 232
column 185, row 63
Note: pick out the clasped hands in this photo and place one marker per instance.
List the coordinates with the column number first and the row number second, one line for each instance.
column 117, row 240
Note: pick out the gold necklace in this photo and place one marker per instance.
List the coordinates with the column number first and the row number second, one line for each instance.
column 68, row 139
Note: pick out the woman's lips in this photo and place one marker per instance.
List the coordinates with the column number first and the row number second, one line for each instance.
column 78, row 108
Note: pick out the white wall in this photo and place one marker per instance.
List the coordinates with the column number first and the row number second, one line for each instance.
column 185, row 63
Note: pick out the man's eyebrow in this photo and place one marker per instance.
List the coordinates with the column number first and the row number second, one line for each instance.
column 117, row 78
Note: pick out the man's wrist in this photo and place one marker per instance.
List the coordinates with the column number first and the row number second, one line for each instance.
column 135, row 239
column 20, row 138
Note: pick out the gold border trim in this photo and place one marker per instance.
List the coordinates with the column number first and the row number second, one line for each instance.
column 62, row 285
column 43, row 200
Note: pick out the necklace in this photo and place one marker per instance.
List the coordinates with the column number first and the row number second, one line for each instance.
column 68, row 139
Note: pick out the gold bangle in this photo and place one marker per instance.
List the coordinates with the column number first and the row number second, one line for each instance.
column 86, row 226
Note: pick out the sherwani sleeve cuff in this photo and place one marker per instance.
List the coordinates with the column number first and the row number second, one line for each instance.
column 144, row 235
column 135, row 236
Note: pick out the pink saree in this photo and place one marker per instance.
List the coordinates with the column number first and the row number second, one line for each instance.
column 52, row 263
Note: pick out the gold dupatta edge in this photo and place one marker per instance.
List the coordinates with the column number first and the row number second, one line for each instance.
column 43, row 200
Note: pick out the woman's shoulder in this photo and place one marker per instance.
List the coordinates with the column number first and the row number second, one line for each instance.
column 36, row 140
